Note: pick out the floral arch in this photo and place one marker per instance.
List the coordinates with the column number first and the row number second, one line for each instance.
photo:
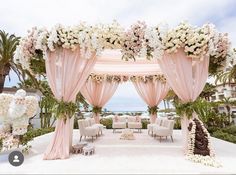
column 185, row 55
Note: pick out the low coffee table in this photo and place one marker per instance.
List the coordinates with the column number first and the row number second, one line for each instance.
column 127, row 134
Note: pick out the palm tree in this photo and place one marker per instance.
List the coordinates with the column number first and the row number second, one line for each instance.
column 8, row 44
column 228, row 76
column 208, row 91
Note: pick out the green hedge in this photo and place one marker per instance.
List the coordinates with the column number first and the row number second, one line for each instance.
column 224, row 136
column 31, row 134
column 230, row 129
column 107, row 122
column 177, row 123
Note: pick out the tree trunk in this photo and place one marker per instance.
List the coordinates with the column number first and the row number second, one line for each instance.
column 2, row 80
column 164, row 104
column 168, row 104
column 4, row 71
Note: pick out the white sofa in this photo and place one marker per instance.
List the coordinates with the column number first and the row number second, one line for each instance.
column 87, row 130
column 165, row 130
column 158, row 122
column 118, row 123
column 134, row 122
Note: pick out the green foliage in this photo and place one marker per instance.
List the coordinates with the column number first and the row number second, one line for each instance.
column 106, row 122
column 64, row 110
column 208, row 91
column 31, row 134
column 230, row 129
column 97, row 109
column 183, row 109
column 177, row 123
column 207, row 112
column 145, row 122
column 8, row 44
column 224, row 136
column 37, row 64
column 215, row 65
column 0, row 144
column 152, row 110
column 76, row 126
column 227, row 76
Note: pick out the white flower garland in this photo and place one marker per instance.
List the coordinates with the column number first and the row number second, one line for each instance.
column 139, row 40
column 205, row 160
column 122, row 78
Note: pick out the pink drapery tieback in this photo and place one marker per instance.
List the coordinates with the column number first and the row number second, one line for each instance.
column 152, row 92
column 98, row 94
column 187, row 77
column 66, row 71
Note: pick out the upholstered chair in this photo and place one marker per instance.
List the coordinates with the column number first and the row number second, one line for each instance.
column 87, row 130
column 134, row 122
column 118, row 123
column 165, row 130
column 158, row 122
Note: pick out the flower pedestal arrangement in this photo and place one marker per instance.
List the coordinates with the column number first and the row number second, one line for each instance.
column 15, row 111
column 199, row 146
column 127, row 134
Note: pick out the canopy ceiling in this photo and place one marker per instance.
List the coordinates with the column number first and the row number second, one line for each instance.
column 110, row 62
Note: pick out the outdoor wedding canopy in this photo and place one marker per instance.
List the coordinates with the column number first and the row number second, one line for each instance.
column 93, row 60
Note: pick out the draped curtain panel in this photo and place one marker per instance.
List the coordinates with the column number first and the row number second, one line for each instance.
column 67, row 72
column 152, row 93
column 187, row 77
column 98, row 94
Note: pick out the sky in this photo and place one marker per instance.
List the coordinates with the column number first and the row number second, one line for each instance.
column 17, row 16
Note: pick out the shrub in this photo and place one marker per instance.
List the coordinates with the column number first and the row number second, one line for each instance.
column 230, row 130
column 107, row 122
column 177, row 123
column 31, row 134
column 145, row 122
column 224, row 136
column 213, row 129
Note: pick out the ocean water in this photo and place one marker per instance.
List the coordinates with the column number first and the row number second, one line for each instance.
column 126, row 98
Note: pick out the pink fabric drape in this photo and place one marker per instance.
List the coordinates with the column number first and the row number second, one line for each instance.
column 152, row 92
column 98, row 94
column 186, row 77
column 66, row 71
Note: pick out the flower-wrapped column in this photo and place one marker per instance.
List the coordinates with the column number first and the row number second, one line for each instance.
column 187, row 77
column 67, row 72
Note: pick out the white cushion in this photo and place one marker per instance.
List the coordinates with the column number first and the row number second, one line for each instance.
column 135, row 125
column 119, row 125
column 165, row 122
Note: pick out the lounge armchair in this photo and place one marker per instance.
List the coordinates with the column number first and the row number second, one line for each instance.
column 134, row 123
column 86, row 130
column 158, row 122
column 118, row 123
column 165, row 130
column 93, row 123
